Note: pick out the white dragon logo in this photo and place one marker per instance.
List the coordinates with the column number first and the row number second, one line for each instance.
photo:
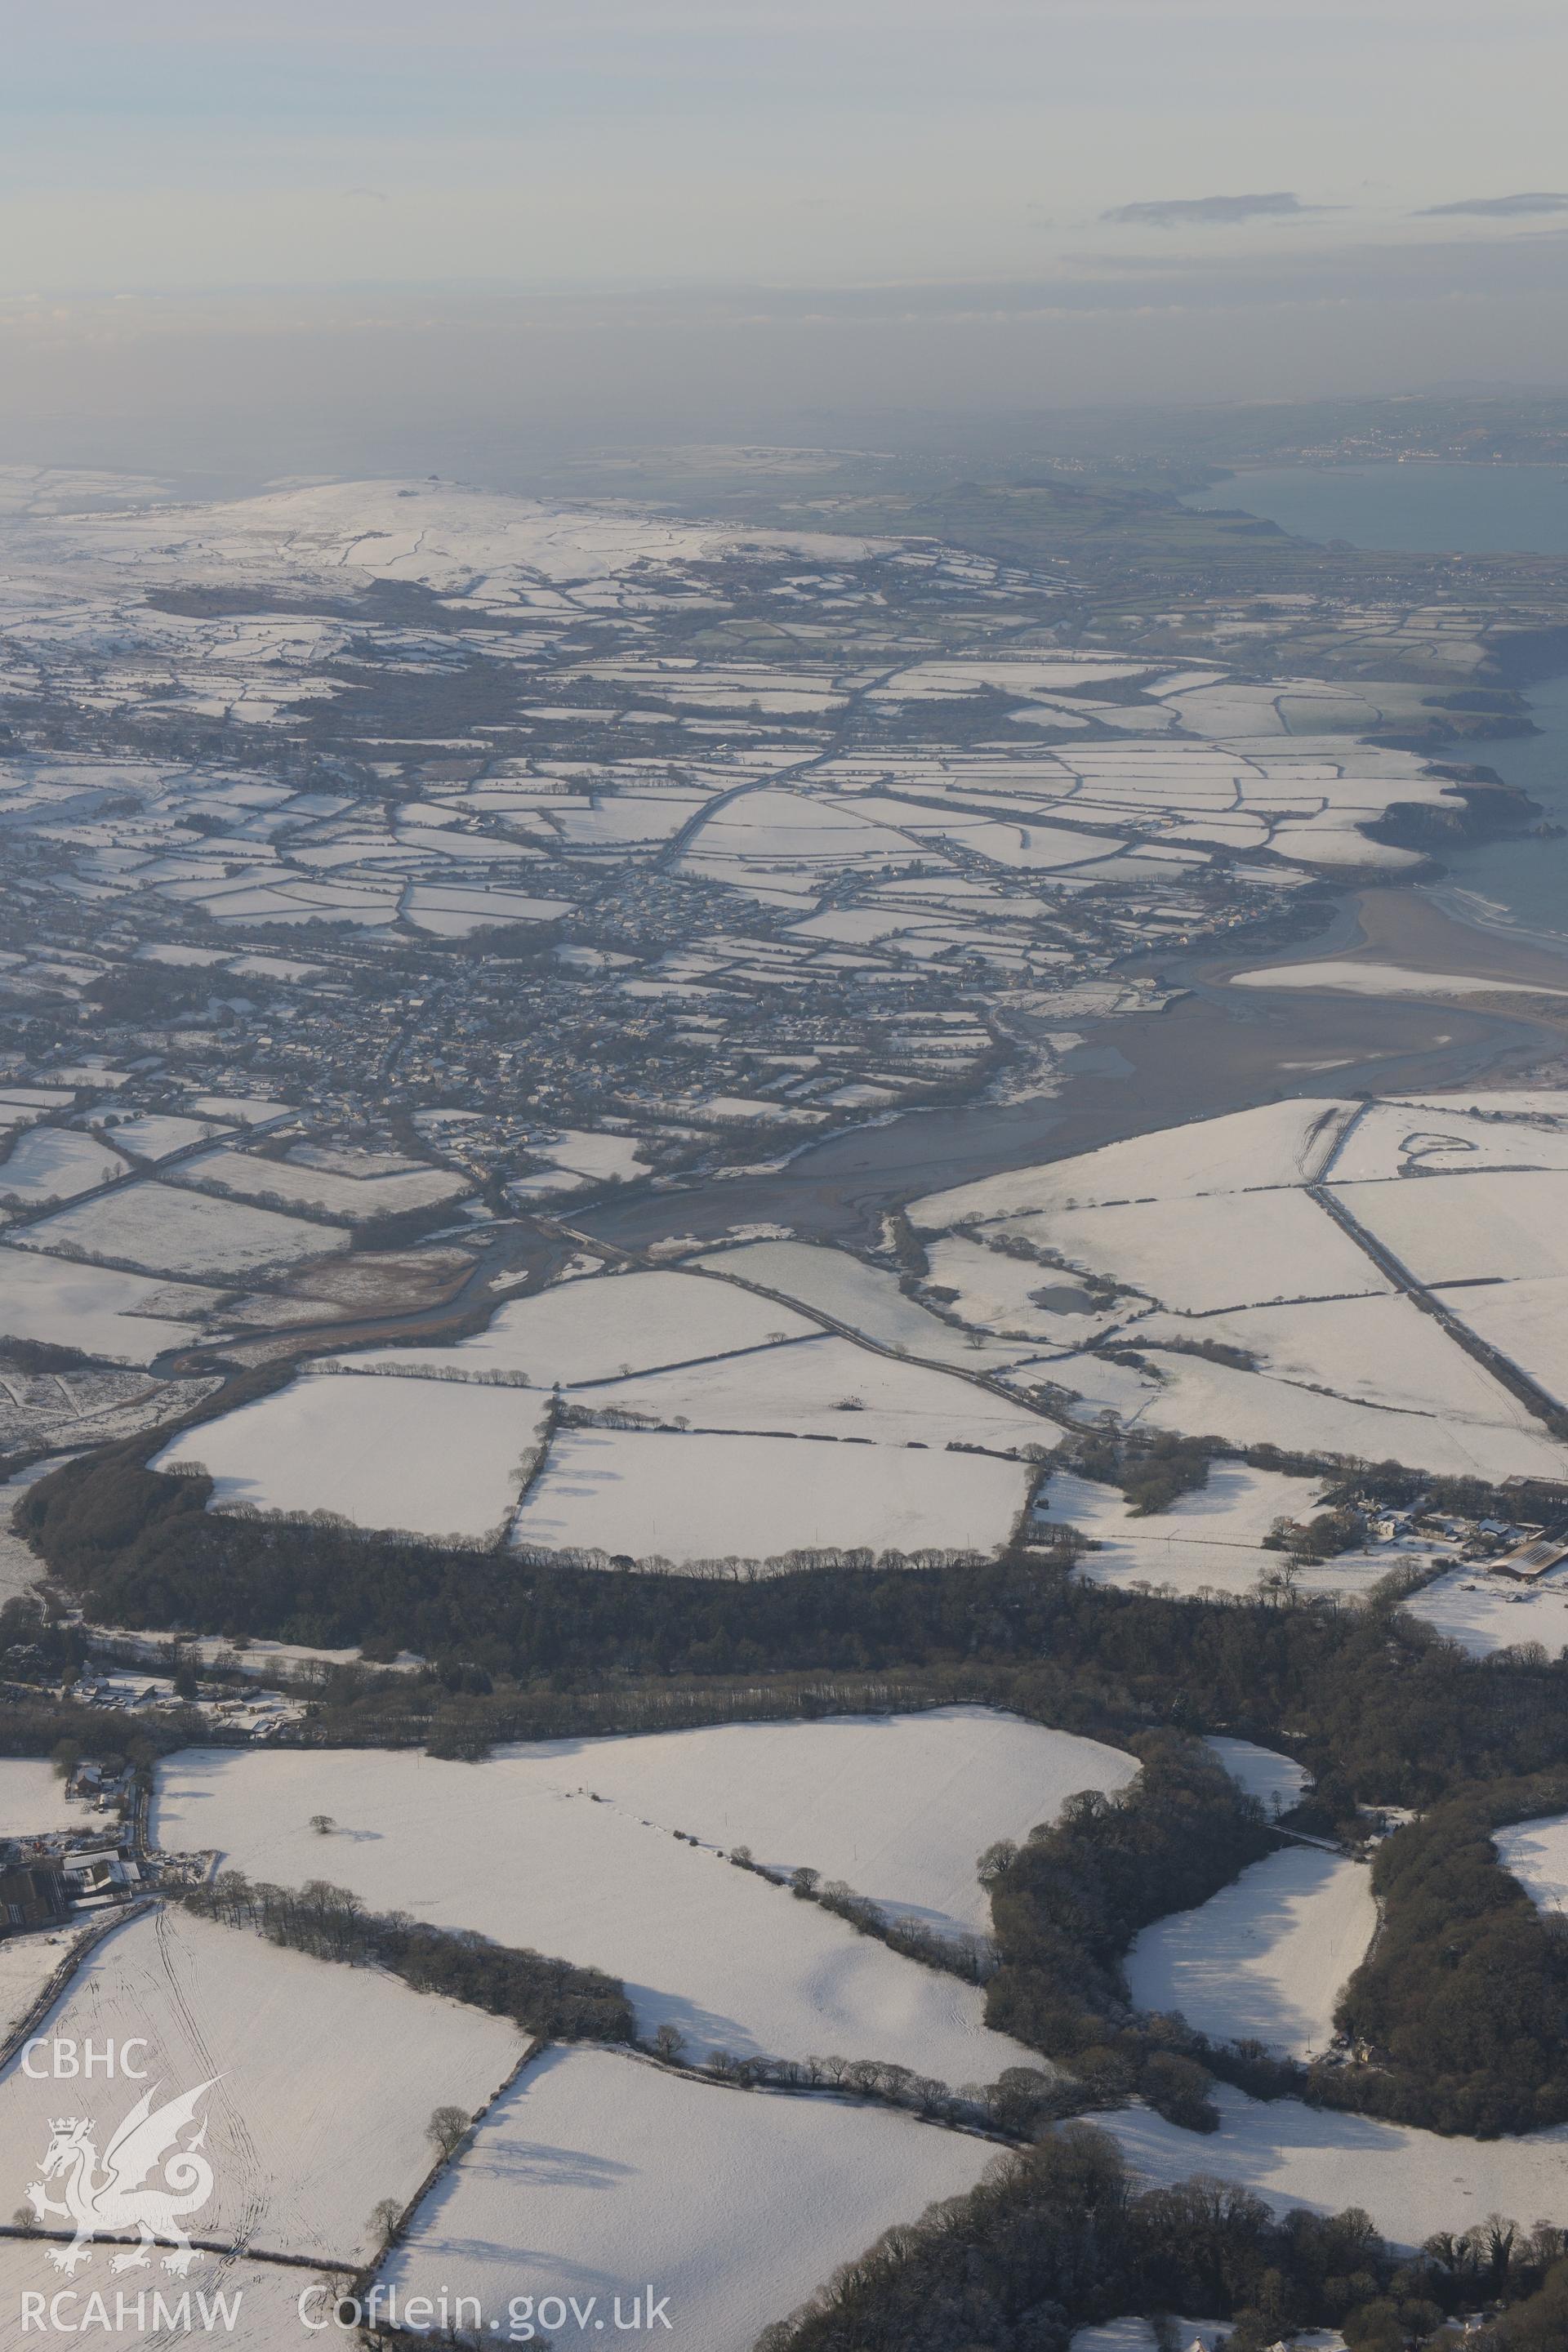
column 115, row 2198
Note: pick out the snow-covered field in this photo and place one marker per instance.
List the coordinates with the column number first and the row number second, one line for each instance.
column 1411, row 2182
column 1267, row 1958
column 33, row 1800
column 600, row 1327
column 1537, row 1854
column 599, row 2173
column 243, row 1177
column 830, row 1387
column 737, row 1384
column 1193, row 1394
column 1486, row 1614
column 1138, row 2336
column 1525, row 1321
column 242, row 1110
column 1341, row 1366
column 54, row 1163
column 654, row 1495
column 154, row 1135
column 1014, row 1298
column 250, row 2305
column 311, row 2121
column 1457, row 1138
column 897, row 1806
column 27, row 1961
column 1007, row 674
column 435, row 1457
column 1502, row 1226
column 1277, row 1782
column 1236, row 1506
column 517, row 1848
column 164, row 1231
column 1279, row 1144
column 578, row 1161
column 1230, row 1250
column 1214, row 1236
column 1380, row 1352
column 124, row 1317
column 484, row 545
column 1209, row 1539
column 864, row 1298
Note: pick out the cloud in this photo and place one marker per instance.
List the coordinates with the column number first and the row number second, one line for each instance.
column 1207, row 212
column 1537, row 200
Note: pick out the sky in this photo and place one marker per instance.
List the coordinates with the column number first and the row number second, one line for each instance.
column 707, row 208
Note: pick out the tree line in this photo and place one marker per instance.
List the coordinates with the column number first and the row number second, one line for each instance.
column 1464, row 1998
column 1057, row 2237
column 1460, row 2011
column 1380, row 1709
column 138, row 1547
column 1066, row 1904
column 549, row 1998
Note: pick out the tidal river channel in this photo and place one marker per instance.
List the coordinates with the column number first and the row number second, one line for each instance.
column 1217, row 1050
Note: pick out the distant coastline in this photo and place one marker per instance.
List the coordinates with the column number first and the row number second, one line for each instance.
column 1431, row 504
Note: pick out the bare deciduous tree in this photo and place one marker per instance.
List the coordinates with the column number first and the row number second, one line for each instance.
column 447, row 2128
column 384, row 2219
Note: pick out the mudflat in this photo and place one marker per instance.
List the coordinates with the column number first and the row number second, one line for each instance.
column 1215, row 1049
column 1407, row 926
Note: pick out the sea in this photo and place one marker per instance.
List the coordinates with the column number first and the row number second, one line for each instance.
column 1418, row 504
column 837, row 1190
column 1520, row 887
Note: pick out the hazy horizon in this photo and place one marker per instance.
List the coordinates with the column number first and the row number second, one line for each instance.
column 240, row 245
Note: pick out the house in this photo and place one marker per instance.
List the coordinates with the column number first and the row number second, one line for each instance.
column 101, row 1877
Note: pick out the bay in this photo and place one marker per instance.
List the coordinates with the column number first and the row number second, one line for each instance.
column 1421, row 504
column 1195, row 1061
column 1521, row 884
column 1518, row 886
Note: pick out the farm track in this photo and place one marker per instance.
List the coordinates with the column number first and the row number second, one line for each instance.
column 245, row 2146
